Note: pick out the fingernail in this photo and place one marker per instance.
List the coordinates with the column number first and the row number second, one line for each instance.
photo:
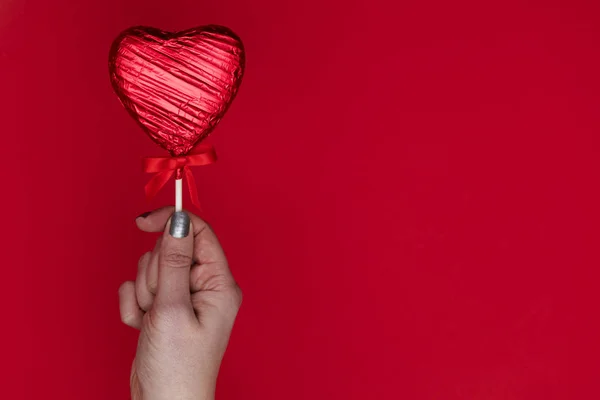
column 180, row 225
column 144, row 215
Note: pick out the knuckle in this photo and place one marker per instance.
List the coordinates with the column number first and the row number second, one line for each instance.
column 235, row 295
column 239, row 295
column 125, row 318
column 145, row 303
column 176, row 259
column 128, row 319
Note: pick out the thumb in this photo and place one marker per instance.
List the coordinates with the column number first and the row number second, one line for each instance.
column 175, row 261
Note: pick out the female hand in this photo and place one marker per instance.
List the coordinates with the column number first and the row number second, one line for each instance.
column 184, row 300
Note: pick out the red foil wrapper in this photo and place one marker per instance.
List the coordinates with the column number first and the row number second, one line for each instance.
column 177, row 86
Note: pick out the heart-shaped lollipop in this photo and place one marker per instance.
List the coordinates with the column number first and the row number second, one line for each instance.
column 177, row 86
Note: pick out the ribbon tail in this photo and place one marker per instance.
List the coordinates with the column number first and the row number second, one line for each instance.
column 189, row 177
column 156, row 183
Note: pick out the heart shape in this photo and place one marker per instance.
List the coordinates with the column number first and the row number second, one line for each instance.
column 177, row 86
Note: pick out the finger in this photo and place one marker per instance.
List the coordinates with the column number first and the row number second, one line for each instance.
column 131, row 314
column 210, row 276
column 207, row 248
column 144, row 297
column 219, row 307
column 211, row 271
column 175, row 261
column 154, row 221
column 152, row 274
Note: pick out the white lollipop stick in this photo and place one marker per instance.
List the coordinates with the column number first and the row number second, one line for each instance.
column 178, row 196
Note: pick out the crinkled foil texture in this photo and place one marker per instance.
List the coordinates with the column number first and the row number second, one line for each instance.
column 179, row 85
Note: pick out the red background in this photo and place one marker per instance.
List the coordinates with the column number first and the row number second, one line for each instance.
column 407, row 192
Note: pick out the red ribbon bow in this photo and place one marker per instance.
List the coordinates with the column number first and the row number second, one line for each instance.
column 165, row 167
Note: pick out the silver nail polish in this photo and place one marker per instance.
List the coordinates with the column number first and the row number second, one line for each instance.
column 180, row 225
